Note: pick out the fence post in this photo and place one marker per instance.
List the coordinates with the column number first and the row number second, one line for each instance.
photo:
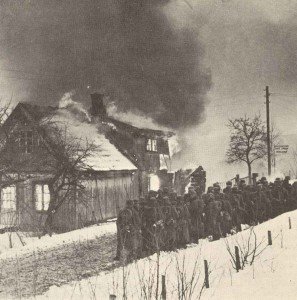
column 112, row 297
column 163, row 294
column 237, row 259
column 206, row 274
column 290, row 224
column 269, row 238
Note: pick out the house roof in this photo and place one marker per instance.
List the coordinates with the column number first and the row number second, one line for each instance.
column 106, row 157
column 138, row 131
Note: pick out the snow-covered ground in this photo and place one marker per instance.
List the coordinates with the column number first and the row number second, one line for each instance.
column 32, row 269
column 46, row 242
column 273, row 275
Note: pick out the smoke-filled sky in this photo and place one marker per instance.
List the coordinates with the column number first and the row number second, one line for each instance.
column 129, row 49
column 181, row 62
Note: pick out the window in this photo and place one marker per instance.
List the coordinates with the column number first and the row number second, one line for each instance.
column 151, row 145
column 8, row 197
column 42, row 197
column 26, row 141
column 153, row 182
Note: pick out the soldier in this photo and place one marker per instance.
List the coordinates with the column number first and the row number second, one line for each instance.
column 124, row 232
column 267, row 198
column 136, row 230
column 186, row 221
column 237, row 208
column 278, row 200
column 196, row 208
column 228, row 187
column 226, row 220
column 181, row 230
column 207, row 198
column 260, row 204
column 250, row 209
column 170, row 219
column 286, row 186
column 150, row 219
column 213, row 213
column 293, row 195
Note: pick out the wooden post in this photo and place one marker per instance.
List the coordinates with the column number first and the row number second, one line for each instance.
column 237, row 259
column 269, row 238
column 206, row 274
column 163, row 295
column 290, row 224
column 112, row 297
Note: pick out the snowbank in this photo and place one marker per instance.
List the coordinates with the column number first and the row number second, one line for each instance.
column 47, row 242
column 272, row 276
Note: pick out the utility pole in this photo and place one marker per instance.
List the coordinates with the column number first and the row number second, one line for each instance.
column 268, row 130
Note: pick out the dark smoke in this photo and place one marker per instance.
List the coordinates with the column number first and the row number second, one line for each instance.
column 127, row 49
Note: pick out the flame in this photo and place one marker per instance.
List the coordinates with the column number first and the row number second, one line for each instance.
column 154, row 182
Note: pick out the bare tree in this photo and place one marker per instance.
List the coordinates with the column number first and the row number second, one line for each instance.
column 67, row 164
column 247, row 141
column 60, row 155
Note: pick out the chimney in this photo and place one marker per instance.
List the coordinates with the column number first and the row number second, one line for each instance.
column 98, row 108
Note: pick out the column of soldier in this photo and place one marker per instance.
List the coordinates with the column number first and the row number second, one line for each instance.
column 164, row 221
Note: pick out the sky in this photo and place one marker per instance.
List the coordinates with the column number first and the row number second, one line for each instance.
column 188, row 64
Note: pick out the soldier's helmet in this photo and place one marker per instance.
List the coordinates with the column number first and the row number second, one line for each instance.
column 129, row 203
column 210, row 189
column 152, row 193
column 165, row 190
column 287, row 178
column 263, row 179
column 153, row 201
column 167, row 200
column 229, row 183
column 217, row 189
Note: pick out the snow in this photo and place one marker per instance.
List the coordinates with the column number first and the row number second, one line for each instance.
column 46, row 242
column 106, row 157
column 273, row 275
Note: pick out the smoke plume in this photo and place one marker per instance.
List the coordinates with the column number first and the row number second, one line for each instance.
column 129, row 49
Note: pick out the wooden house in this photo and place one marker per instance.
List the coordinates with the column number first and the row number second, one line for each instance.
column 128, row 160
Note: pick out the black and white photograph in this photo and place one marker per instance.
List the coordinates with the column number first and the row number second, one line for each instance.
column 148, row 149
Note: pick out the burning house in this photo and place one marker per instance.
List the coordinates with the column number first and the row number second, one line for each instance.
column 124, row 163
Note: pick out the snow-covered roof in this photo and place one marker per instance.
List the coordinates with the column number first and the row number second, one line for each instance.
column 106, row 157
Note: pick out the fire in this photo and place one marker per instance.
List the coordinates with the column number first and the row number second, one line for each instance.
column 154, row 182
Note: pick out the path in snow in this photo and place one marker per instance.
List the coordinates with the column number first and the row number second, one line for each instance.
column 34, row 272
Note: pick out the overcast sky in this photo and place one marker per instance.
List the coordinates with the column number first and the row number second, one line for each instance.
column 244, row 45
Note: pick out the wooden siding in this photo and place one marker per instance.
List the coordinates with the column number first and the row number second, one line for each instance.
column 103, row 197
